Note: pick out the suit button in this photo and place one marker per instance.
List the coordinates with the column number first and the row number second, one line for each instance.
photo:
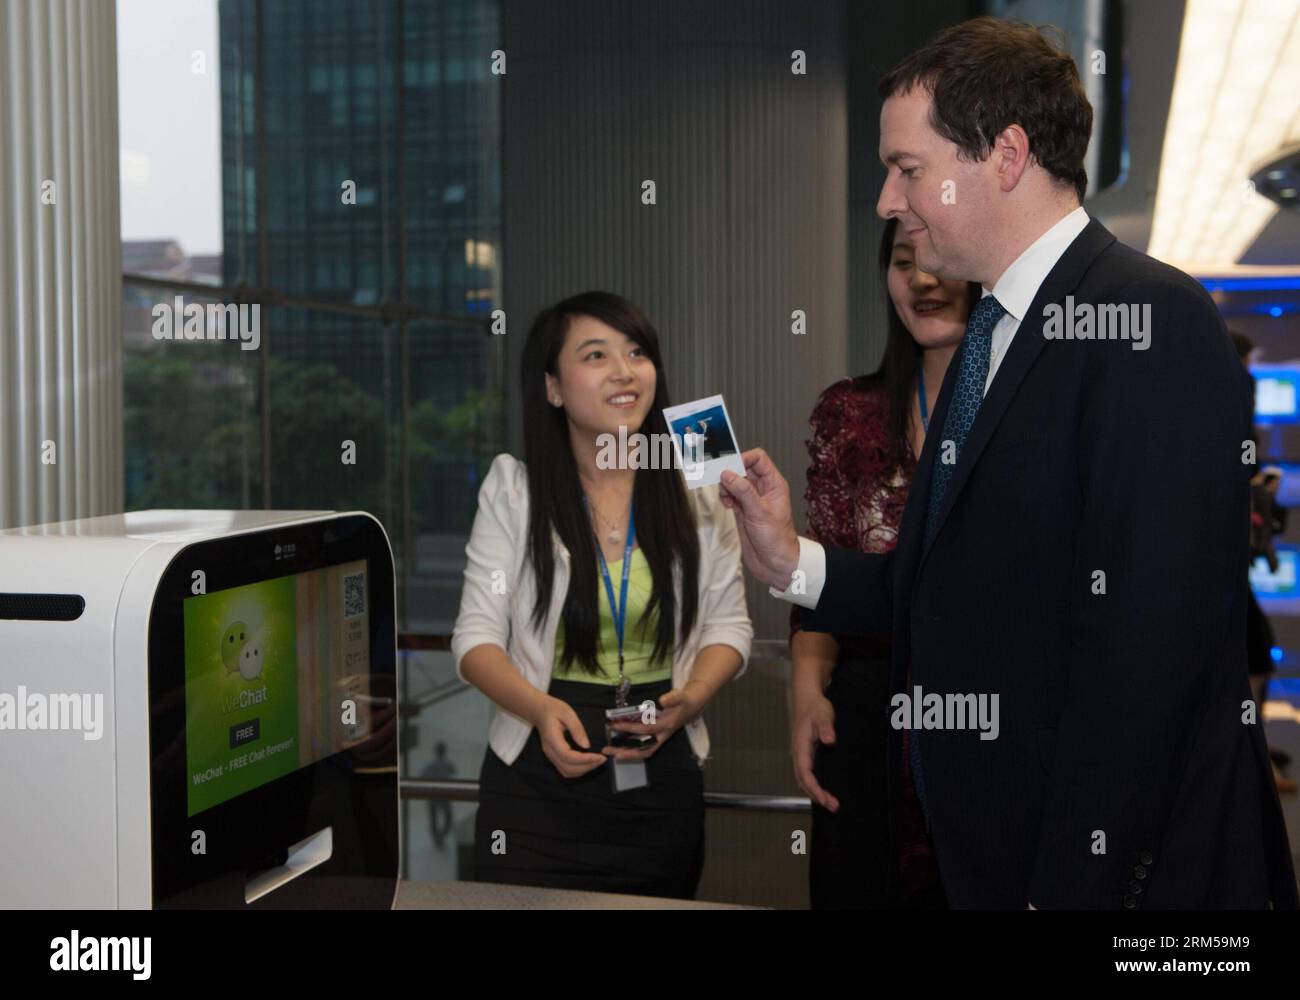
column 1130, row 902
column 1146, row 858
column 1139, row 871
column 1135, row 887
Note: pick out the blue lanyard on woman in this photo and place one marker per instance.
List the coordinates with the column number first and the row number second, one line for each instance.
column 618, row 611
column 925, row 409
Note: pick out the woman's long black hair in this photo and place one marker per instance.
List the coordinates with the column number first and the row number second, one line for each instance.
column 665, row 523
column 902, row 360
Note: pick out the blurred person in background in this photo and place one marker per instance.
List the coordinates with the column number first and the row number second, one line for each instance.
column 1267, row 520
column 869, row 847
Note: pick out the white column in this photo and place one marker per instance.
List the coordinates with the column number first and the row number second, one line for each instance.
column 60, row 262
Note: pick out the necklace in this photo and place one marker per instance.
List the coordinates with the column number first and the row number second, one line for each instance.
column 614, row 534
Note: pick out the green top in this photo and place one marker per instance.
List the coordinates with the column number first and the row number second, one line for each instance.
column 638, row 637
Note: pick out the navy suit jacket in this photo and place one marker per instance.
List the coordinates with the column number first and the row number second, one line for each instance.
column 1089, row 568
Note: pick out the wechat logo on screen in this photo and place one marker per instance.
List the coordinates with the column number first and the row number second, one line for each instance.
column 240, row 653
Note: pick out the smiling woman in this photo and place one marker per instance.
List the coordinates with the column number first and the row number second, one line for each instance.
column 542, row 633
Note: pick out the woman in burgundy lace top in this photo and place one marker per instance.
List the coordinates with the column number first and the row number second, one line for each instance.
column 869, row 845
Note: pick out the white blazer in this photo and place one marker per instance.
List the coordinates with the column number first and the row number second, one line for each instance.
column 500, row 589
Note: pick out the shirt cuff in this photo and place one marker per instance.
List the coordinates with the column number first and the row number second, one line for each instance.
column 808, row 578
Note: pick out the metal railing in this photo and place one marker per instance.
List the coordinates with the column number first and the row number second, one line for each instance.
column 452, row 790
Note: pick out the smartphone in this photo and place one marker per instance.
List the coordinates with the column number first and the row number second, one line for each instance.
column 622, row 740
column 628, row 741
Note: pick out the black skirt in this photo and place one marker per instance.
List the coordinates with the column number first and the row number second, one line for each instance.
column 854, row 851
column 578, row 833
column 854, row 858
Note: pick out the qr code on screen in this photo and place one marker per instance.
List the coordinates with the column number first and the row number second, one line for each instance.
column 354, row 595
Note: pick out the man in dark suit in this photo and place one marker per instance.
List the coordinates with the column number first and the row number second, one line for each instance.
column 1074, row 544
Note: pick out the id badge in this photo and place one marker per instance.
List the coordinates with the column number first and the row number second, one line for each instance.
column 629, row 774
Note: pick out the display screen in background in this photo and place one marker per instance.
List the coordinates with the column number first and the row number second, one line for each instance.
column 270, row 671
column 1282, row 583
column 1276, row 394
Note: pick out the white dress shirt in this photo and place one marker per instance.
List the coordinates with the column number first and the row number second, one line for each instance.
column 1015, row 291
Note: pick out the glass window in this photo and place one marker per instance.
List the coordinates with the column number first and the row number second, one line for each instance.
column 173, row 171
column 192, row 424
column 292, row 171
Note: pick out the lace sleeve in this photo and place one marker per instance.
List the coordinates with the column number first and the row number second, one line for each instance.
column 834, row 450
column 829, row 497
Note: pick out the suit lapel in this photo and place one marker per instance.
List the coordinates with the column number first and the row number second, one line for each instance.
column 1021, row 354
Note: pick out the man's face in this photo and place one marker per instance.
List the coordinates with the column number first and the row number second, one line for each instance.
column 941, row 202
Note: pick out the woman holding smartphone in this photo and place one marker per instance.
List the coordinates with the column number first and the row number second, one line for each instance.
column 869, row 847
column 591, row 585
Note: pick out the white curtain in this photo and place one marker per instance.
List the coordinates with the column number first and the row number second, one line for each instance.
column 60, row 262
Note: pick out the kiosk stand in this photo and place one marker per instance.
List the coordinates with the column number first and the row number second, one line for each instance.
column 197, row 709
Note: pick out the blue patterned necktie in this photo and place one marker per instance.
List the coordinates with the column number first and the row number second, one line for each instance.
column 967, row 395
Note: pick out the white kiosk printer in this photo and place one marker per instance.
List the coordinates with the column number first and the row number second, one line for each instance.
column 197, row 709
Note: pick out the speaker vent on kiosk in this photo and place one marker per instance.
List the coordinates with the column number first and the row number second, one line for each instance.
column 42, row 607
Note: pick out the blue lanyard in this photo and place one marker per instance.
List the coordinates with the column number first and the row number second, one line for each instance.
column 925, row 409
column 619, row 611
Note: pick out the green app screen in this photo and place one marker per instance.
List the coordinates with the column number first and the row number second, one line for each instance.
column 276, row 674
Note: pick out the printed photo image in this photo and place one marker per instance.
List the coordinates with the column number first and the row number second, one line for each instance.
column 704, row 441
